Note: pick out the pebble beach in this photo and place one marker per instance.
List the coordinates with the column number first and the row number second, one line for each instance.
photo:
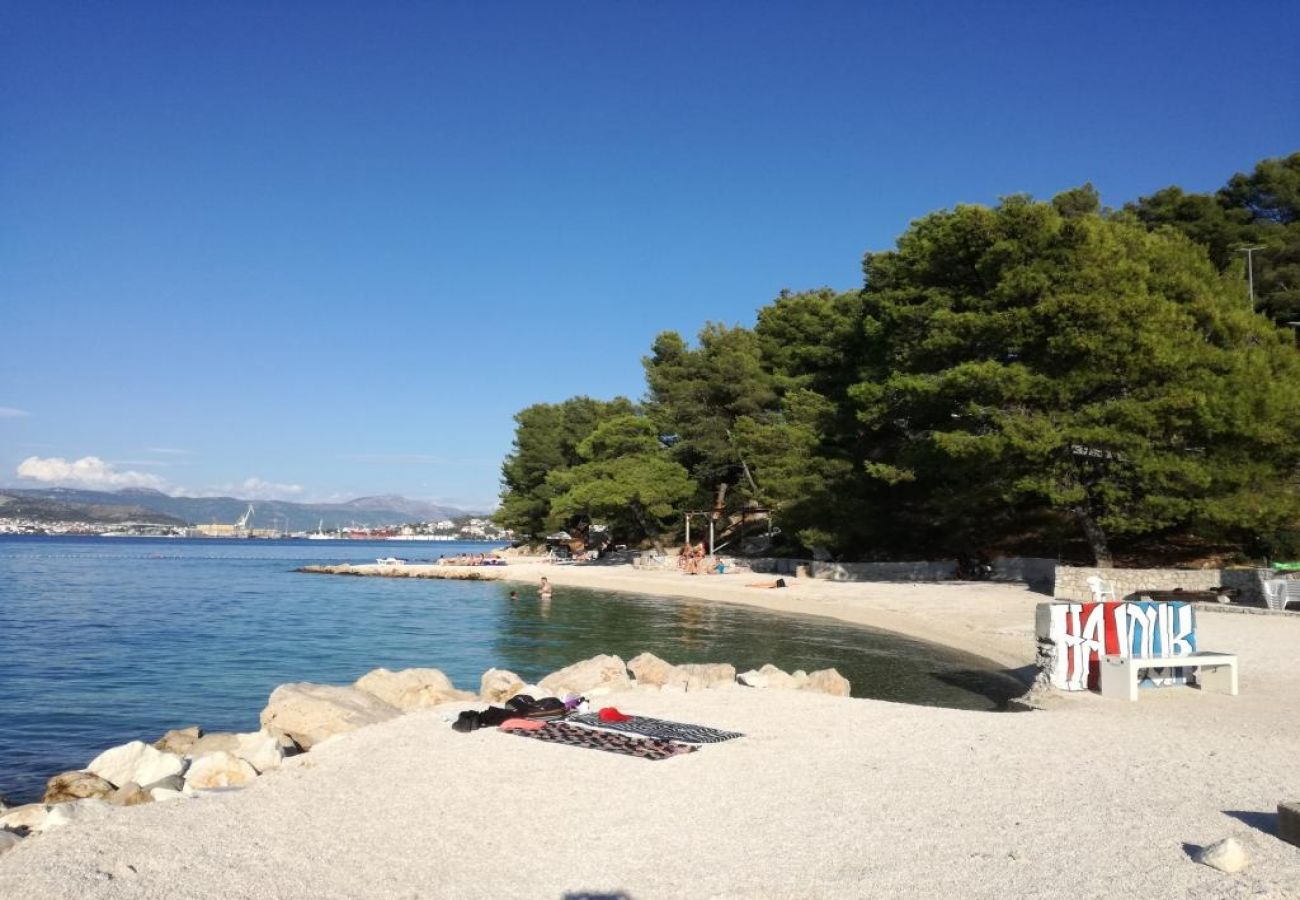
column 823, row 797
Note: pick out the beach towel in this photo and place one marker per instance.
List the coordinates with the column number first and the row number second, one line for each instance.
column 658, row 728
column 591, row 739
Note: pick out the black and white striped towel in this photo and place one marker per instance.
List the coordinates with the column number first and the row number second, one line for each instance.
column 658, row 728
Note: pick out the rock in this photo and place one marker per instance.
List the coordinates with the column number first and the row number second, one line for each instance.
column 1288, row 822
column 137, row 762
column 161, row 795
column 598, row 672
column 179, row 740
column 773, row 677
column 219, row 770
column 4, row 803
column 288, row 747
column 260, row 750
column 536, row 691
column 310, row 713
column 30, row 817
column 752, row 679
column 647, row 668
column 1226, row 855
column 411, row 689
column 62, row 814
column 8, row 841
column 700, row 676
column 129, row 794
column 212, row 743
column 75, row 786
column 827, row 681
column 170, row 783
column 499, row 685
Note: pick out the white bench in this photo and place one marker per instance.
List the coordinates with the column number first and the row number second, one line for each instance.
column 1215, row 672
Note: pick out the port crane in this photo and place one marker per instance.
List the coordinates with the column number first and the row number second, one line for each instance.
column 245, row 519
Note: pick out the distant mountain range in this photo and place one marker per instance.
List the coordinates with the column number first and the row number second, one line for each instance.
column 144, row 505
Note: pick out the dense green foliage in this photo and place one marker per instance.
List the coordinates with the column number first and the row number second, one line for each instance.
column 1033, row 370
column 1262, row 210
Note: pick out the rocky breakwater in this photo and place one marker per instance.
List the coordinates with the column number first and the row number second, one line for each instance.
column 187, row 762
column 453, row 573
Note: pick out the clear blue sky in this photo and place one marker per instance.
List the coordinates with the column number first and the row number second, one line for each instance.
column 325, row 250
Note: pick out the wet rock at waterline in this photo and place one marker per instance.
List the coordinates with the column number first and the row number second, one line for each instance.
column 75, row 786
column 828, row 681
column 647, row 668
column 310, row 713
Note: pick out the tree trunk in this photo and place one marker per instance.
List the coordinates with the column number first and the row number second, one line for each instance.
column 1096, row 538
column 719, row 499
column 638, row 513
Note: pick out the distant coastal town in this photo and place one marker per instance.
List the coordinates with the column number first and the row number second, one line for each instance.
column 469, row 528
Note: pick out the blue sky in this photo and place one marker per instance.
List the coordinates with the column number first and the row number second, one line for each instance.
column 326, row 250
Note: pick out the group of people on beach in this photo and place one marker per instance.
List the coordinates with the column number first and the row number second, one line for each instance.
column 692, row 559
column 472, row 559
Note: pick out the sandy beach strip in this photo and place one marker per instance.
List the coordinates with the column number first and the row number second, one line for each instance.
column 823, row 797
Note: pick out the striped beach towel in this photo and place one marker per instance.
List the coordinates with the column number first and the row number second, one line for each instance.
column 661, row 729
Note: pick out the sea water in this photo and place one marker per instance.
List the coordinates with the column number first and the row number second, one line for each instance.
column 107, row 640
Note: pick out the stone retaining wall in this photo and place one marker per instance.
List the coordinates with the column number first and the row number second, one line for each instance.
column 1038, row 573
column 1071, row 582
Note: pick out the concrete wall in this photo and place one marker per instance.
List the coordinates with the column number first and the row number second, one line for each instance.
column 1072, row 581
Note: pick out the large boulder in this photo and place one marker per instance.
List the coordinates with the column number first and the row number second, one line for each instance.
column 310, row 713
column 219, row 770
column 771, row 677
column 600, row 673
column 28, row 817
column 179, row 740
column 75, row 786
column 411, row 689
column 647, row 668
column 8, row 840
column 136, row 761
column 499, row 685
column 699, row 676
column 213, row 743
column 260, row 750
column 827, row 681
column 129, row 794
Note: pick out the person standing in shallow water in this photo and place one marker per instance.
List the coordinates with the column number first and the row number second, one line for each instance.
column 544, row 590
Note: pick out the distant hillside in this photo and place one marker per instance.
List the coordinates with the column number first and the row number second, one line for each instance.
column 17, row 505
column 372, row 511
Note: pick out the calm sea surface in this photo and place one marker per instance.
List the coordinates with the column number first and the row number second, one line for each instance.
column 106, row 640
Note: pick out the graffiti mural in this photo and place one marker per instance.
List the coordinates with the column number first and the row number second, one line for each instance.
column 1079, row 633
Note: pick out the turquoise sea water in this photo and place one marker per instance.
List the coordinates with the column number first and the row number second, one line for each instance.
column 106, row 640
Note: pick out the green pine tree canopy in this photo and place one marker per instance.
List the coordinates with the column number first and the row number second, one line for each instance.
column 1038, row 377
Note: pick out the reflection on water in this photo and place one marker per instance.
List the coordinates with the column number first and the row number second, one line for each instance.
column 535, row 639
column 104, row 641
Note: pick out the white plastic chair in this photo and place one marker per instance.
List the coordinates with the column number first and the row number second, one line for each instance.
column 1101, row 589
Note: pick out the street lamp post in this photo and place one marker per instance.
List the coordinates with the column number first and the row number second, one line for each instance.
column 1250, row 270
